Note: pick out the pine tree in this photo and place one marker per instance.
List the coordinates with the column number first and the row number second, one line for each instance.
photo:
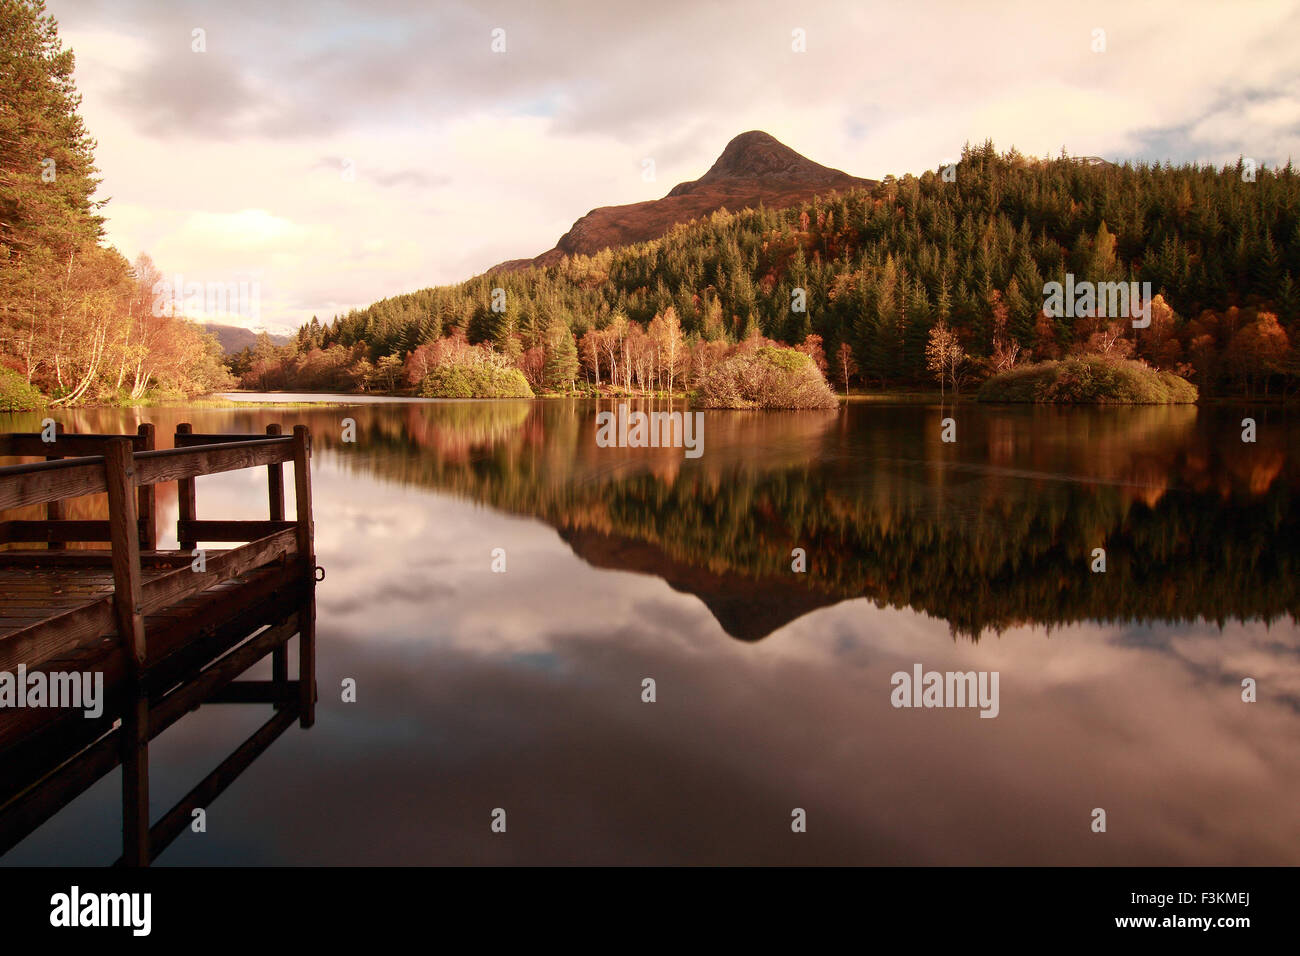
column 561, row 366
column 47, row 174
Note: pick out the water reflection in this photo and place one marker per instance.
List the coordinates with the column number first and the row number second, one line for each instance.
column 994, row 531
column 522, row 690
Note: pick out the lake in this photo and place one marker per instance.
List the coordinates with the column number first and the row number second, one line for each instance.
column 522, row 689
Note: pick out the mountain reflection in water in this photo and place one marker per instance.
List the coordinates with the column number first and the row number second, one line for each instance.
column 522, row 690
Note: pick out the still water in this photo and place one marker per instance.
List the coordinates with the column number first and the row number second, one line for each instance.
column 522, row 690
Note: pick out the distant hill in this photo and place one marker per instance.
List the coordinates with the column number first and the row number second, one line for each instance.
column 234, row 339
column 754, row 169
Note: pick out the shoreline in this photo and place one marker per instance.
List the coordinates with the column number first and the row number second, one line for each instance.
column 339, row 400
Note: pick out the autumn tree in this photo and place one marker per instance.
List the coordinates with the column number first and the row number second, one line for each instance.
column 666, row 331
column 589, row 350
column 847, row 366
column 945, row 358
column 75, row 318
column 1258, row 351
column 812, row 347
column 1005, row 347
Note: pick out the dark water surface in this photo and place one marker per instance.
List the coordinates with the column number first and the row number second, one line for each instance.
column 522, row 690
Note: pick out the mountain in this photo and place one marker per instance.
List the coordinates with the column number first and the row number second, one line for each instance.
column 755, row 168
column 747, row 608
column 234, row 338
column 881, row 266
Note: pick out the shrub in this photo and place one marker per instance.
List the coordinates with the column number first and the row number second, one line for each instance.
column 16, row 395
column 1089, row 379
column 766, row 377
column 475, row 381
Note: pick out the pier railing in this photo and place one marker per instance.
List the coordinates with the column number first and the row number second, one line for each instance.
column 121, row 471
column 212, row 618
column 54, row 530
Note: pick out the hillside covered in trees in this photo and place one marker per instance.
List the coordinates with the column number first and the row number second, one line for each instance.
column 77, row 321
column 968, row 248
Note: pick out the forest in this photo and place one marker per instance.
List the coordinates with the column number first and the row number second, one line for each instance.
column 968, row 249
column 78, row 323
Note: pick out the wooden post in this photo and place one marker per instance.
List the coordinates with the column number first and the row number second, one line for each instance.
column 275, row 507
column 146, row 494
column 124, row 530
column 307, row 554
column 135, row 779
column 185, row 495
column 54, row 509
column 275, row 482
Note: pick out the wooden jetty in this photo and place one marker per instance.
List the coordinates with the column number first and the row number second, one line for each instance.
column 168, row 630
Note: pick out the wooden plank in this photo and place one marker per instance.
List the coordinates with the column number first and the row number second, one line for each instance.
column 43, row 481
column 275, row 482
column 186, row 509
column 171, row 587
column 135, row 782
column 84, row 559
column 53, row 509
column 256, row 692
column 307, row 551
column 275, row 510
column 57, row 634
column 46, row 481
column 120, row 476
column 173, row 464
column 119, row 469
column 146, row 500
column 189, row 438
column 57, row 531
column 229, row 530
column 29, row 445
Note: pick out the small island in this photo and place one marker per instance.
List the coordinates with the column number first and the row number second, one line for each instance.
column 765, row 377
column 1088, row 380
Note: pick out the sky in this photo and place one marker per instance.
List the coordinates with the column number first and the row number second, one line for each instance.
column 337, row 152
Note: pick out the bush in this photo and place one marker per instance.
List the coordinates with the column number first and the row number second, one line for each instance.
column 766, row 377
column 16, row 395
column 475, row 381
column 1089, row 379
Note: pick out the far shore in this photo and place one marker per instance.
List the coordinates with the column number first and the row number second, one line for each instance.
column 300, row 399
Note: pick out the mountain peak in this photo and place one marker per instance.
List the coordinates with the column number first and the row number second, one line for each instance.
column 754, row 169
column 760, row 156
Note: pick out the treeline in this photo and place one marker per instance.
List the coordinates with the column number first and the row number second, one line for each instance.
column 77, row 321
column 877, row 269
column 622, row 357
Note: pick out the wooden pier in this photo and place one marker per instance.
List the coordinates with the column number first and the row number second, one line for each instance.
column 168, row 630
